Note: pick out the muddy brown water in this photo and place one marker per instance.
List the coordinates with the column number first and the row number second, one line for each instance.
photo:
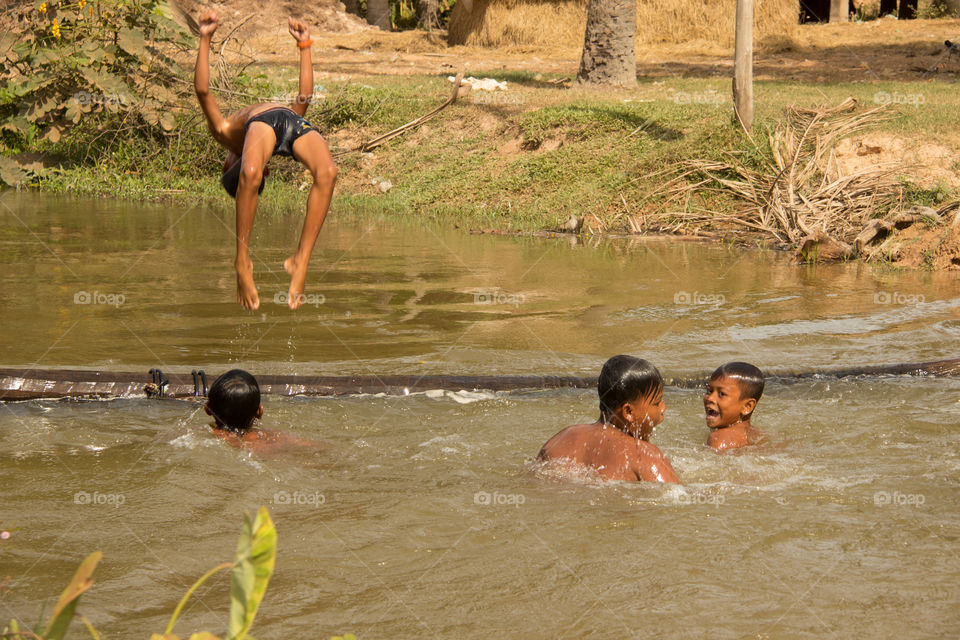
column 423, row 515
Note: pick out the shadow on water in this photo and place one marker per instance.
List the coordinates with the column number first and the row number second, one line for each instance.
column 103, row 283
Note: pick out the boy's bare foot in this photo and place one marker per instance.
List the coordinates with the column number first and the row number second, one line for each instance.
column 247, row 294
column 298, row 281
column 290, row 265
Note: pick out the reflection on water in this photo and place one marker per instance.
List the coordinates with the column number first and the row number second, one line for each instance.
column 160, row 290
column 433, row 521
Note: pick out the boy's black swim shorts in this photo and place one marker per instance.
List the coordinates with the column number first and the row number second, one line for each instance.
column 286, row 124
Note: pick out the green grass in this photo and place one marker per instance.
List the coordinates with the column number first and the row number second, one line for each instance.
column 525, row 164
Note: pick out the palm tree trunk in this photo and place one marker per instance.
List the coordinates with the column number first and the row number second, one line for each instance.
column 428, row 14
column 378, row 13
column 609, row 56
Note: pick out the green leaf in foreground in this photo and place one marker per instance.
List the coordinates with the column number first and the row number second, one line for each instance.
column 252, row 568
column 167, row 635
column 67, row 604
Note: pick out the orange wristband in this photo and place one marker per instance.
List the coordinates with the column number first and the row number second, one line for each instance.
column 305, row 44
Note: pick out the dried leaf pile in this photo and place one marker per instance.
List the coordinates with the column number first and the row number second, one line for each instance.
column 796, row 193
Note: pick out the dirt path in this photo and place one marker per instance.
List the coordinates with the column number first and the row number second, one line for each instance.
column 880, row 50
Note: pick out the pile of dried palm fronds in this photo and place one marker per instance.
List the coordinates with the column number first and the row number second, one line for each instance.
column 794, row 191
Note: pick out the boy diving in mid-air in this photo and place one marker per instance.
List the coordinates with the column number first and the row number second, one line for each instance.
column 251, row 136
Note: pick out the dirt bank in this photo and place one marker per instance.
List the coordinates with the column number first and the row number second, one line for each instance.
column 528, row 158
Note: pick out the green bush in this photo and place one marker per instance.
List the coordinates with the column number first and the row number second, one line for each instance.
column 105, row 62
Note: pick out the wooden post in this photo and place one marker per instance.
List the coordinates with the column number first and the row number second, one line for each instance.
column 743, row 65
column 838, row 10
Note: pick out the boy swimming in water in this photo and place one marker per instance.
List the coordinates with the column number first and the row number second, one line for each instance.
column 732, row 395
column 616, row 446
column 234, row 404
column 251, row 136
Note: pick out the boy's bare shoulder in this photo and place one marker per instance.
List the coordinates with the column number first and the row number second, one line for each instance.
column 724, row 440
column 265, row 440
column 579, row 431
column 579, row 435
column 647, row 449
column 598, row 440
column 609, row 452
column 273, row 440
column 652, row 465
column 566, row 440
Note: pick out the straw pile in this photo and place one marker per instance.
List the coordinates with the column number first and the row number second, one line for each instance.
column 561, row 23
column 796, row 193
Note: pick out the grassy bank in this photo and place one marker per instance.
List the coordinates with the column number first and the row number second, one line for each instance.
column 523, row 159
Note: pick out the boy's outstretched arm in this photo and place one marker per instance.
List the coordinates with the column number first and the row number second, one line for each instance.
column 301, row 33
column 201, row 76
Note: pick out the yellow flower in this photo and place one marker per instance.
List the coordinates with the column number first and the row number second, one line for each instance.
column 43, row 7
column 81, row 4
column 55, row 29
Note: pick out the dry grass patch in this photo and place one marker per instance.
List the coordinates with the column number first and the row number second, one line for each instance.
column 496, row 23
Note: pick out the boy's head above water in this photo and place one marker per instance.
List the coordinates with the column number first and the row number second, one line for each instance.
column 631, row 395
column 231, row 176
column 732, row 394
column 617, row 447
column 234, row 401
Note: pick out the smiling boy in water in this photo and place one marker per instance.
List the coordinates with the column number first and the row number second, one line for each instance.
column 732, row 395
column 617, row 445
column 234, row 404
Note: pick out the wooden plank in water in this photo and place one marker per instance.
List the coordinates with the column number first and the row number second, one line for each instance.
column 20, row 384
column 943, row 368
column 27, row 384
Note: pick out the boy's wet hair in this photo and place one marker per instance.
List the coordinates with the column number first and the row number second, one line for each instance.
column 749, row 378
column 234, row 400
column 624, row 379
column 231, row 180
